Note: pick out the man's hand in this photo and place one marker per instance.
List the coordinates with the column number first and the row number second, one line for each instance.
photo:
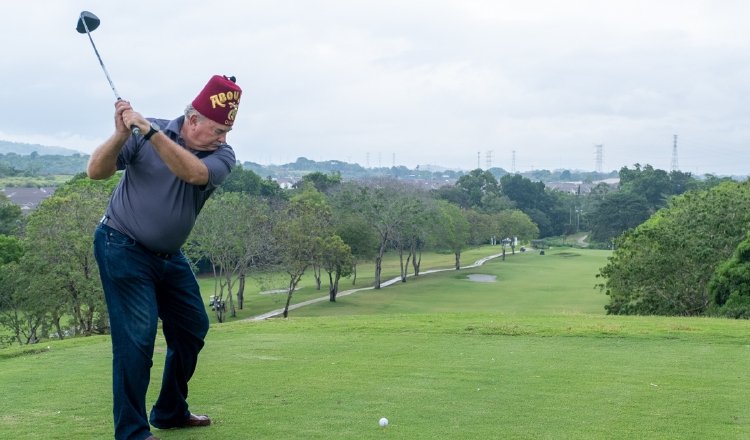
column 126, row 117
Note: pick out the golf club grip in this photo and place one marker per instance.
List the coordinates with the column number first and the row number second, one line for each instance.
column 135, row 130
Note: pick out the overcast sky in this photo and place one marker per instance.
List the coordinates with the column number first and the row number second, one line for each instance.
column 457, row 83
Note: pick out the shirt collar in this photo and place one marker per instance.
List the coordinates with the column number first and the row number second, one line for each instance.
column 174, row 128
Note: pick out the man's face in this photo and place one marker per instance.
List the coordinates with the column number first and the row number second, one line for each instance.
column 203, row 134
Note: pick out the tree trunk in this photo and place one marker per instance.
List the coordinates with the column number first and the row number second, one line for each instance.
column 241, row 292
column 219, row 304
column 232, row 309
column 293, row 280
column 379, row 261
column 378, row 268
column 417, row 261
column 458, row 260
column 336, row 283
column 316, row 273
column 55, row 318
column 331, row 288
column 405, row 270
column 230, row 296
column 354, row 269
column 89, row 319
column 403, row 267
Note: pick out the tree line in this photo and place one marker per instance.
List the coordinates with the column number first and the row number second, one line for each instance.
column 324, row 226
column 35, row 164
column 49, row 284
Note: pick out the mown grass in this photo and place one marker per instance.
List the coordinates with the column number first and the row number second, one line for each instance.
column 562, row 281
column 509, row 367
column 265, row 292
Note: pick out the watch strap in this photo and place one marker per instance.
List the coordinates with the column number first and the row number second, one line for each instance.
column 152, row 131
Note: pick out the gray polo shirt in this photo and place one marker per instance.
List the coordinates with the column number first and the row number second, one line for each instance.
column 151, row 204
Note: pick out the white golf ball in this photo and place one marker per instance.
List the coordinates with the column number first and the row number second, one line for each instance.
column 383, row 422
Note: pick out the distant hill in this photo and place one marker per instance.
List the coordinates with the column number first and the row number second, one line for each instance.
column 33, row 160
column 428, row 174
column 292, row 172
column 18, row 158
column 42, row 150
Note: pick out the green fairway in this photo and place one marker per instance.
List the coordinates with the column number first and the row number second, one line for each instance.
column 529, row 356
column 558, row 282
column 265, row 292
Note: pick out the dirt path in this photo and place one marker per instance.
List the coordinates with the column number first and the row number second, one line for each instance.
column 279, row 312
column 582, row 241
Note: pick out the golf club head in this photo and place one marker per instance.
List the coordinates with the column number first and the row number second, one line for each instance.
column 87, row 20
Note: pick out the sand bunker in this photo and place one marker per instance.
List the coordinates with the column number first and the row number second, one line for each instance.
column 479, row 278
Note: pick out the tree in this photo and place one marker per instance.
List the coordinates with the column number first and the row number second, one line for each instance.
column 357, row 233
column 20, row 312
column 454, row 194
column 243, row 181
column 10, row 216
column 58, row 261
column 618, row 212
column 515, row 223
column 384, row 206
column 233, row 233
column 482, row 227
column 525, row 193
column 321, row 182
column 655, row 185
column 337, row 261
column 300, row 234
column 476, row 185
column 664, row 265
column 546, row 208
column 11, row 249
column 409, row 235
column 16, row 312
column 453, row 230
column 730, row 285
column 681, row 182
column 248, row 182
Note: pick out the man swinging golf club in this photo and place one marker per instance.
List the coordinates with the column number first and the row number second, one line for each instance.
column 171, row 168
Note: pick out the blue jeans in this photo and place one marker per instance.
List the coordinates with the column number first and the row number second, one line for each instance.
column 141, row 287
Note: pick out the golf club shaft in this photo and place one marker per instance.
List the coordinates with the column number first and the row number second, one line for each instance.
column 101, row 63
column 133, row 129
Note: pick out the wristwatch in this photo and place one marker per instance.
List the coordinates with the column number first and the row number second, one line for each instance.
column 154, row 129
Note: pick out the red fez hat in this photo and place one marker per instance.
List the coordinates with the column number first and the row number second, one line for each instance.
column 219, row 100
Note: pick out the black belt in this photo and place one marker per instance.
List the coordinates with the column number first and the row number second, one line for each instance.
column 162, row 255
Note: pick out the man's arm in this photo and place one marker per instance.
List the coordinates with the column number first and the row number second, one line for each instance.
column 103, row 161
column 179, row 160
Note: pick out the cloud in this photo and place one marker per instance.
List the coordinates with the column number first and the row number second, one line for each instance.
column 439, row 82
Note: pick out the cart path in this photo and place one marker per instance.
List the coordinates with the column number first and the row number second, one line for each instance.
column 280, row 312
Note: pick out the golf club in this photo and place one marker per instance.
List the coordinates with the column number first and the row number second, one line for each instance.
column 88, row 22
